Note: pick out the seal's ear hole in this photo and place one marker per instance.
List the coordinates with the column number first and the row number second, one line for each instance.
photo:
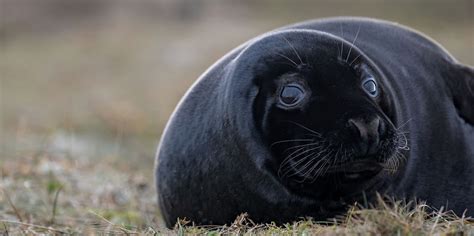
column 460, row 81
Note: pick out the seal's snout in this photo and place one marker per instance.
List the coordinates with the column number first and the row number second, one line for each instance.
column 367, row 133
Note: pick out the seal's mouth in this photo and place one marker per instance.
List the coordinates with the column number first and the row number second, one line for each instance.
column 356, row 166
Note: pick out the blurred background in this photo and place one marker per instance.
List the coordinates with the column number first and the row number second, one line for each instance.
column 88, row 85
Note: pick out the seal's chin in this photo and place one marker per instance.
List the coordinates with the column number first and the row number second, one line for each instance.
column 356, row 170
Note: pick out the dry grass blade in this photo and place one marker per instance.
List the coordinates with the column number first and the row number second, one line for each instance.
column 34, row 226
column 121, row 228
column 15, row 210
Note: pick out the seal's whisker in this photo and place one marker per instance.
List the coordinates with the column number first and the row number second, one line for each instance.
column 334, row 160
column 319, row 154
column 285, row 169
column 352, row 45
column 404, row 123
column 289, row 168
column 285, row 63
column 389, row 165
column 294, row 49
column 326, row 160
column 295, row 154
column 402, row 141
column 304, row 127
column 291, row 140
column 292, row 156
column 401, row 138
column 293, row 62
column 404, row 146
column 302, row 177
column 402, row 157
column 394, row 162
column 344, row 156
column 302, row 145
column 320, row 169
column 303, row 152
column 304, row 171
column 314, row 173
column 350, row 64
column 336, row 157
column 398, row 158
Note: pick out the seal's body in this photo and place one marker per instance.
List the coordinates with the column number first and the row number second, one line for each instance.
column 311, row 117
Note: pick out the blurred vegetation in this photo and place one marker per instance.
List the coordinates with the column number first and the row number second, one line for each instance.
column 88, row 85
column 116, row 68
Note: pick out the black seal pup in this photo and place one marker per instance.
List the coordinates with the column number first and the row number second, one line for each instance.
column 309, row 118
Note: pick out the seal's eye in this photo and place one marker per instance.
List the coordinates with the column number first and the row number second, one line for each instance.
column 291, row 95
column 370, row 87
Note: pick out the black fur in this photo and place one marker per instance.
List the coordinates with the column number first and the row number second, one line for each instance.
column 223, row 150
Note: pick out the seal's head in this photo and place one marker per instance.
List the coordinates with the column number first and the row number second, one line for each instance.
column 324, row 111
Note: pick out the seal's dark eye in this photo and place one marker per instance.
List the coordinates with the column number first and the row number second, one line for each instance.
column 291, row 95
column 370, row 87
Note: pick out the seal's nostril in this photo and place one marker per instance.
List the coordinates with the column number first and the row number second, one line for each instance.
column 373, row 127
column 359, row 128
column 367, row 133
column 355, row 127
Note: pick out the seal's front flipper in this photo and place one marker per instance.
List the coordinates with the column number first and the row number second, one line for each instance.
column 460, row 81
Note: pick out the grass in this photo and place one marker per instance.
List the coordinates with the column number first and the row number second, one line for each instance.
column 50, row 195
column 54, row 194
column 396, row 218
column 37, row 200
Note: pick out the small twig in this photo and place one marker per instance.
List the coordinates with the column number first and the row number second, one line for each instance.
column 17, row 213
column 33, row 225
column 124, row 230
